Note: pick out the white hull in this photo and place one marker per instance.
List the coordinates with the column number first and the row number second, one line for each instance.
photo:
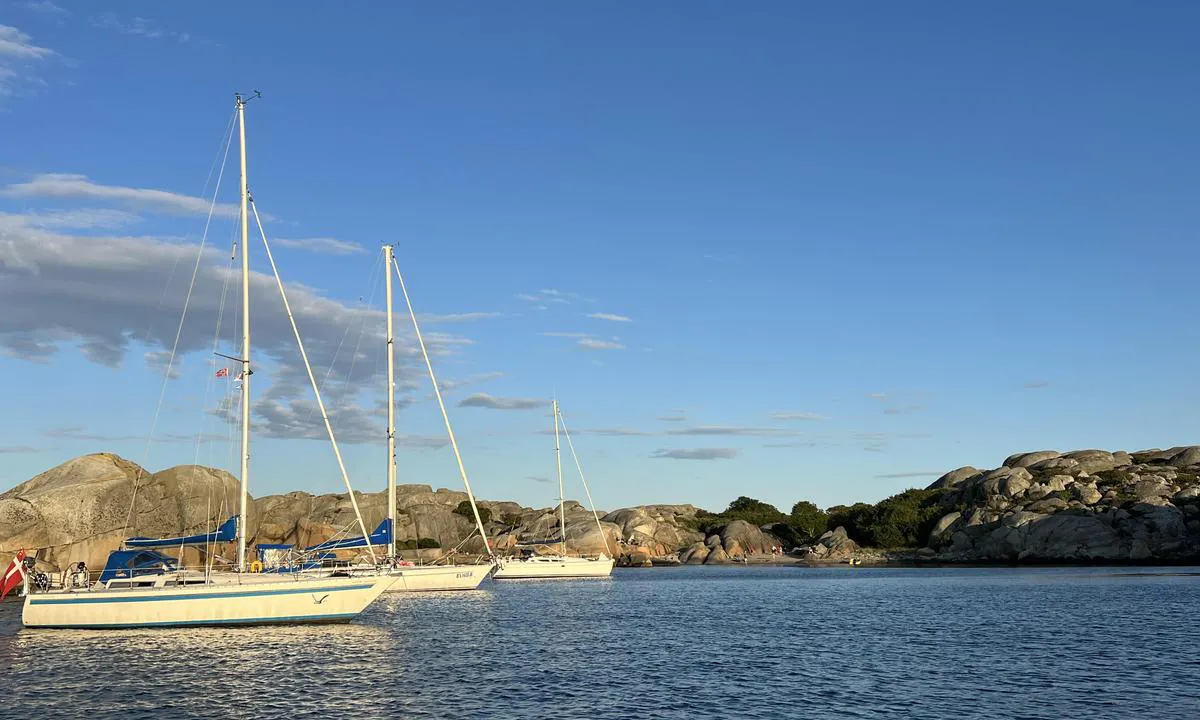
column 258, row 602
column 547, row 567
column 438, row 577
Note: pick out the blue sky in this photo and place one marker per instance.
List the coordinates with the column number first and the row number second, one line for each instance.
column 789, row 250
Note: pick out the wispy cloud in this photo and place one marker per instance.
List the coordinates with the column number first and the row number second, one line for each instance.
column 736, row 430
column 17, row 449
column 1036, row 385
column 80, row 219
column 694, row 454
column 539, row 478
column 158, row 360
column 611, row 317
column 550, row 296
column 139, row 26
column 610, row 432
column 567, row 334
column 69, row 185
column 18, row 53
column 797, row 415
column 78, row 432
column 45, row 7
column 902, row 410
column 458, row 317
column 451, row 385
column 483, row 400
column 588, row 343
column 16, row 44
column 322, row 245
column 881, row 397
column 673, row 418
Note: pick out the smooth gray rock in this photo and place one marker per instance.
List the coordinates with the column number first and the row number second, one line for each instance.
column 1086, row 493
column 1093, row 461
column 954, row 477
column 942, row 527
column 1024, row 460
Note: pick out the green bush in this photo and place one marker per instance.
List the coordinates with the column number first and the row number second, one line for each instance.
column 755, row 512
column 464, row 509
column 900, row 521
column 808, row 520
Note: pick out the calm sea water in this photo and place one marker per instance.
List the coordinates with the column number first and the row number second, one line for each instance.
column 689, row 642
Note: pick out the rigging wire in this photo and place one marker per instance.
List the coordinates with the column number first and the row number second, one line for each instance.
column 178, row 331
column 586, row 489
column 311, row 378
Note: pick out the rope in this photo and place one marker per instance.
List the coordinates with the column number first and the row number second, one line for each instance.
column 311, row 378
column 442, row 405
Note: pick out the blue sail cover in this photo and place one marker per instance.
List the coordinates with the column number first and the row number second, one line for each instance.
column 225, row 533
column 131, row 563
column 381, row 536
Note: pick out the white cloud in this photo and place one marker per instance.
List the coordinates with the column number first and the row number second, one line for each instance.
column 108, row 294
column 694, row 453
column 139, row 26
column 458, row 317
column 17, row 54
column 321, row 245
column 80, row 219
column 588, row 343
column 45, row 7
column 69, row 185
column 902, row 410
column 881, row 397
column 610, row 316
column 797, row 415
column 16, row 44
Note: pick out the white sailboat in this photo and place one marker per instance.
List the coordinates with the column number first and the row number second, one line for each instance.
column 410, row 577
column 144, row 589
column 561, row 565
column 419, row 578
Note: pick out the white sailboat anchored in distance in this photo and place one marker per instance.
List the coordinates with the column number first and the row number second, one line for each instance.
column 140, row 591
column 561, row 565
column 418, row 578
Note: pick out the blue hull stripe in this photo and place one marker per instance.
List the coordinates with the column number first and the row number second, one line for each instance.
column 99, row 597
column 340, row 617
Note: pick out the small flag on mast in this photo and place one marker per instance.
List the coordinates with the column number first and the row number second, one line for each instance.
column 223, row 372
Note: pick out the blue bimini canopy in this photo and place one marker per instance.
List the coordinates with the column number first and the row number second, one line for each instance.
column 131, row 563
column 225, row 533
column 381, row 536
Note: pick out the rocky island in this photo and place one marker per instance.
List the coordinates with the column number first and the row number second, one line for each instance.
column 1086, row 506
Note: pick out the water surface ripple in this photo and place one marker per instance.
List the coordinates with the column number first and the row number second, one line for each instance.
column 690, row 642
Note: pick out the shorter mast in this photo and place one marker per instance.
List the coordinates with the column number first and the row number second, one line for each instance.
column 437, row 393
column 391, row 406
column 562, row 503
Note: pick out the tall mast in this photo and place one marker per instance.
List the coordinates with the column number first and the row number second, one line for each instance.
column 245, row 489
column 562, row 503
column 391, row 405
